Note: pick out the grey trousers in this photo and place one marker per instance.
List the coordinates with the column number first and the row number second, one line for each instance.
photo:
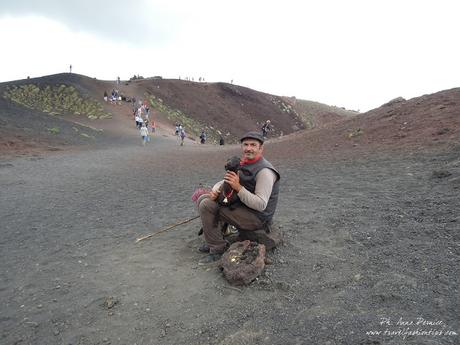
column 240, row 217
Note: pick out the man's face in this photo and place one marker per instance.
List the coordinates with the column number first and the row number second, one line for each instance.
column 251, row 148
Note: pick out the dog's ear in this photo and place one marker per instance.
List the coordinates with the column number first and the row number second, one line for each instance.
column 233, row 164
column 235, row 161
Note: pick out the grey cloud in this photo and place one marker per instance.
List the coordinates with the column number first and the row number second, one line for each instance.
column 129, row 21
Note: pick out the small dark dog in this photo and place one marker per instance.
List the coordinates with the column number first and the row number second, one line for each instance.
column 227, row 195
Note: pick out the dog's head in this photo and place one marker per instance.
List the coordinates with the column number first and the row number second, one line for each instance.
column 233, row 164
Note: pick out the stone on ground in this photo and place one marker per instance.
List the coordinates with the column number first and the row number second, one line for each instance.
column 243, row 262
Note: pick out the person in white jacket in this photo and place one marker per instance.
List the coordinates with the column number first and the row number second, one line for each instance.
column 145, row 134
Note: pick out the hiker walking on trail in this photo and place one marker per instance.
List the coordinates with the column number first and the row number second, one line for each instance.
column 266, row 128
column 203, row 137
column 144, row 134
column 256, row 185
column 182, row 136
column 138, row 121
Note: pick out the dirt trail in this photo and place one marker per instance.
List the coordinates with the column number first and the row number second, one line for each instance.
column 366, row 239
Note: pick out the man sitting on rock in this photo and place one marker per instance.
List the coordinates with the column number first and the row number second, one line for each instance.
column 257, row 186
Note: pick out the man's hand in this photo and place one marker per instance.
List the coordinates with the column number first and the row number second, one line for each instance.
column 213, row 195
column 233, row 180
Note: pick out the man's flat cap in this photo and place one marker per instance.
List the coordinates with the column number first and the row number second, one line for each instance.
column 253, row 135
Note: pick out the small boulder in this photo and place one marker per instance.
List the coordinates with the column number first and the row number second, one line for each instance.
column 441, row 173
column 110, row 302
column 394, row 101
column 243, row 262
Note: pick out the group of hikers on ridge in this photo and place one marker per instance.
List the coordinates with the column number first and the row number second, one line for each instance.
column 141, row 116
column 141, row 113
column 115, row 97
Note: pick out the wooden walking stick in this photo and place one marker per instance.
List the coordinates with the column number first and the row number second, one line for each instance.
column 165, row 229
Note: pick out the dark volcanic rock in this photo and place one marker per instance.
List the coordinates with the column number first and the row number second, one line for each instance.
column 441, row 174
column 394, row 101
column 243, row 262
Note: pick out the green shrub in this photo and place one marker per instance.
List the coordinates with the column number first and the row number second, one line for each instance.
column 53, row 130
column 355, row 133
column 56, row 100
column 84, row 135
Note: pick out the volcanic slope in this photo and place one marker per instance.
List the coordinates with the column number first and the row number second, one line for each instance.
column 426, row 122
column 46, row 112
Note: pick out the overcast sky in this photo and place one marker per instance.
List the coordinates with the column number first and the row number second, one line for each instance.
column 356, row 54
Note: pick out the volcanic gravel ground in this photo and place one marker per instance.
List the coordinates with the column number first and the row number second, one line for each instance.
column 371, row 245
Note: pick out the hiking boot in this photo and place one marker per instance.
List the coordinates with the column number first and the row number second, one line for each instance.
column 210, row 258
column 204, row 248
